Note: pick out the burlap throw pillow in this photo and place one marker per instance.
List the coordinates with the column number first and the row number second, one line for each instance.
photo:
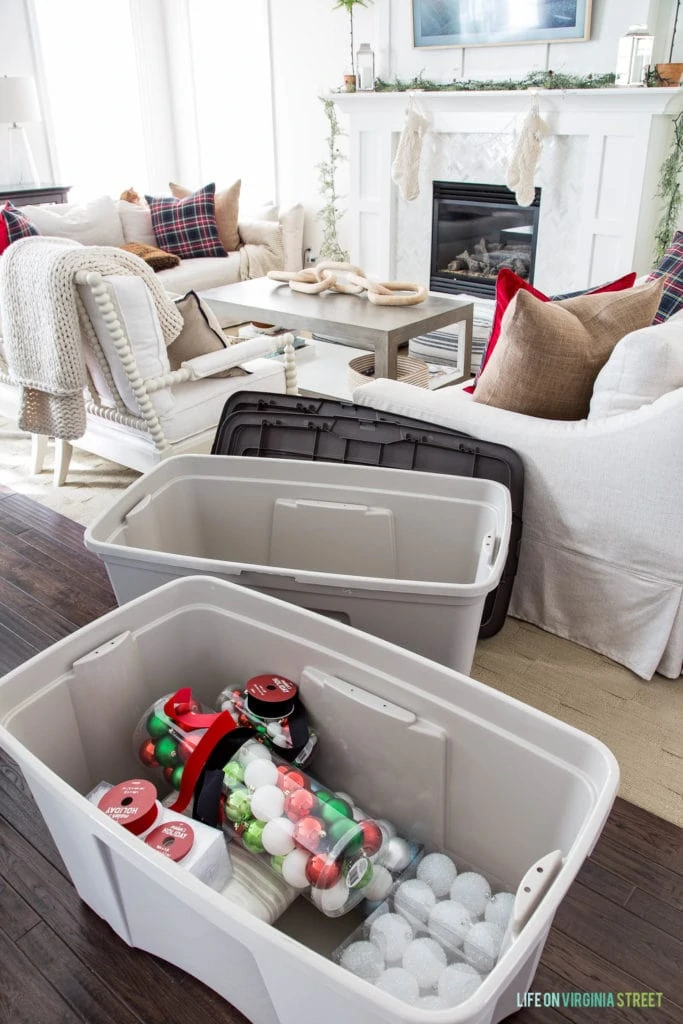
column 158, row 259
column 199, row 334
column 549, row 353
column 227, row 212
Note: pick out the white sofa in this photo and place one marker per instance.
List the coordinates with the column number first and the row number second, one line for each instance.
column 106, row 221
column 601, row 558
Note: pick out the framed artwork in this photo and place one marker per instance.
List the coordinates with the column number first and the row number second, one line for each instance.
column 497, row 22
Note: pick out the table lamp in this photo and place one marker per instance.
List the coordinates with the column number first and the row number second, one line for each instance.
column 18, row 104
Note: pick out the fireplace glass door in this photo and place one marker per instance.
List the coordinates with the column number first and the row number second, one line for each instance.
column 477, row 230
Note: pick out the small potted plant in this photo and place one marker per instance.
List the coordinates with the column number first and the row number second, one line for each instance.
column 348, row 6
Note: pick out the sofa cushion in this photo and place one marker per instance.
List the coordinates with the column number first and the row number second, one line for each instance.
column 508, row 284
column 154, row 257
column 644, row 365
column 549, row 354
column 95, row 222
column 292, row 221
column 227, row 212
column 136, row 222
column 201, row 331
column 17, row 224
column 201, row 273
column 670, row 268
column 187, row 227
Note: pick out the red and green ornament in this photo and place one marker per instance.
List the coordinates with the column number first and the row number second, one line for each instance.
column 372, row 836
column 157, row 725
column 166, row 752
column 252, row 837
column 309, row 833
column 234, row 774
column 300, row 804
column 147, row 755
column 335, row 808
column 357, row 873
column 237, row 806
column 322, row 871
column 346, row 833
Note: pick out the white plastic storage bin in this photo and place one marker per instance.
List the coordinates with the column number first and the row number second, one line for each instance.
column 407, row 556
column 452, row 763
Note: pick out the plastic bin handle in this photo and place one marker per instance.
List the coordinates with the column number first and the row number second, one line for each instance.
column 530, row 892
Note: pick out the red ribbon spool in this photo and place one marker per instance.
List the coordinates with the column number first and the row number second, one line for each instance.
column 133, row 804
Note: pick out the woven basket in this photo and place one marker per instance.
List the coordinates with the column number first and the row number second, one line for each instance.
column 408, row 370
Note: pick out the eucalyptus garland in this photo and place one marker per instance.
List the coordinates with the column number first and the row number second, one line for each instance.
column 669, row 189
column 329, row 215
column 534, row 80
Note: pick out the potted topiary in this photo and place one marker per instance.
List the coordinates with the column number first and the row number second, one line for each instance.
column 348, row 6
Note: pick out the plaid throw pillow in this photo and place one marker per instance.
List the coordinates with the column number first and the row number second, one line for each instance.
column 18, row 226
column 187, row 227
column 670, row 267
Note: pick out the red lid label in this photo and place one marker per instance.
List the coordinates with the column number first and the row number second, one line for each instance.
column 174, row 839
column 271, row 689
column 131, row 804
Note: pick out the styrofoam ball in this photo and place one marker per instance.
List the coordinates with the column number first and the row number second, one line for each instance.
column 392, row 935
column 399, row 983
column 414, row 899
column 473, row 891
column 438, row 871
column 252, row 750
column 425, row 960
column 363, row 959
column 332, row 900
column 260, row 773
column 267, row 802
column 482, row 945
column 449, row 923
column 380, row 884
column 499, row 908
column 294, row 869
column 457, row 983
column 431, row 1003
column 277, row 837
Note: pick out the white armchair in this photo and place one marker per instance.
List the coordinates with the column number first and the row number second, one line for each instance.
column 138, row 410
column 601, row 559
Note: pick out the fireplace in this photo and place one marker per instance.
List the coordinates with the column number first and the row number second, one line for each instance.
column 477, row 230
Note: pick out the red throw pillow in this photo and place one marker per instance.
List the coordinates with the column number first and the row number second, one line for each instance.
column 4, row 233
column 508, row 284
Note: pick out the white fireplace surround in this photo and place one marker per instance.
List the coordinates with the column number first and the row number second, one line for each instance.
column 598, row 174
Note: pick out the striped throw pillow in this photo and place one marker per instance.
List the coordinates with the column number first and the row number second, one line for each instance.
column 187, row 227
column 18, row 226
column 670, row 267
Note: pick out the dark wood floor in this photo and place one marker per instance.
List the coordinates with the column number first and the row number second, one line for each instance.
column 619, row 930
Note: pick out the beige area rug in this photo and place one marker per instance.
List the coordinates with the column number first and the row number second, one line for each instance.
column 639, row 721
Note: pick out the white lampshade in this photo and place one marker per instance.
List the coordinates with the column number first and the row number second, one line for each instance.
column 18, row 100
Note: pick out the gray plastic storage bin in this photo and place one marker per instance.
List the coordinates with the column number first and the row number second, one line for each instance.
column 452, row 763
column 403, row 555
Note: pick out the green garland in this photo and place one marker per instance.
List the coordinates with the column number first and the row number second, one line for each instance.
column 669, row 189
column 534, row 80
column 329, row 215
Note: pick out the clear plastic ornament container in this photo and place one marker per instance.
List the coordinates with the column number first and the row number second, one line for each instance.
column 168, row 733
column 453, row 764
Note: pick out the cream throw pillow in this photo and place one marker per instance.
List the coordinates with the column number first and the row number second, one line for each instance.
column 550, row 353
column 227, row 212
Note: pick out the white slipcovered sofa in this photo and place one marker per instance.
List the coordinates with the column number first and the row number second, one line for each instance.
column 601, row 558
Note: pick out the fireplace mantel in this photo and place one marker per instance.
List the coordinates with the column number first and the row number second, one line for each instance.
column 618, row 138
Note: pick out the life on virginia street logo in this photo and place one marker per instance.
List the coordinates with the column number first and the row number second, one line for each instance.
column 635, row 1000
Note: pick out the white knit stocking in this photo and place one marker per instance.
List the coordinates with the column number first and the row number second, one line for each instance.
column 405, row 170
column 525, row 156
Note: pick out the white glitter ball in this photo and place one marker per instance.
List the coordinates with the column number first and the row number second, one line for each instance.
column 392, row 935
column 363, row 959
column 499, row 908
column 399, row 983
column 294, row 869
column 449, row 923
column 414, row 899
column 268, row 802
column 431, row 1003
column 252, row 750
column 457, row 983
column 425, row 960
column 332, row 900
column 473, row 891
column 260, row 773
column 482, row 945
column 380, row 884
column 438, row 871
column 277, row 837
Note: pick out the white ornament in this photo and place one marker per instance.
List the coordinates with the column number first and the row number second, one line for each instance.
column 525, row 156
column 294, row 869
column 388, row 830
column 405, row 170
column 482, row 945
column 438, row 871
column 260, row 773
column 277, row 837
column 363, row 959
column 380, row 884
column 425, row 960
column 267, row 803
column 457, row 983
column 399, row 983
column 394, row 854
column 414, row 899
column 392, row 935
column 359, row 815
column 499, row 908
column 274, row 729
column 473, row 891
column 252, row 750
column 449, row 923
column 332, row 900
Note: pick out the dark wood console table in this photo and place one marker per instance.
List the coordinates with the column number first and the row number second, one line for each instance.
column 27, row 195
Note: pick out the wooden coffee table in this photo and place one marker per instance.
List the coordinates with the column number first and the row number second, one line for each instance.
column 352, row 319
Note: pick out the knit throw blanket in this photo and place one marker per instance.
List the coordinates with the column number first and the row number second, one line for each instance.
column 39, row 307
